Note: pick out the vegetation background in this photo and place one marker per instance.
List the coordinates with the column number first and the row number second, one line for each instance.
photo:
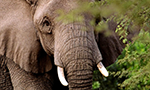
column 131, row 71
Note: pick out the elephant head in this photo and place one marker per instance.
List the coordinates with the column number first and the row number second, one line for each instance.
column 75, row 51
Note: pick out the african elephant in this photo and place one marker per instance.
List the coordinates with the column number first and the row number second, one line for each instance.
column 31, row 39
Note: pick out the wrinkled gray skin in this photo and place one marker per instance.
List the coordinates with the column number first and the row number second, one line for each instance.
column 31, row 35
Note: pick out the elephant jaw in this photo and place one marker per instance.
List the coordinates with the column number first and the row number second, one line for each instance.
column 63, row 81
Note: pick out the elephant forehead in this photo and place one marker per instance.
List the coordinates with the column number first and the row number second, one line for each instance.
column 50, row 8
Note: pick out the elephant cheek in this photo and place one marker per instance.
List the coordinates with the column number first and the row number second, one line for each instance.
column 47, row 41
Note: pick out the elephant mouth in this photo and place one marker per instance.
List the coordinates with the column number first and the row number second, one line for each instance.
column 64, row 82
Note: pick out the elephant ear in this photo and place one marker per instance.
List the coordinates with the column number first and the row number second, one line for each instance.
column 24, row 49
column 110, row 46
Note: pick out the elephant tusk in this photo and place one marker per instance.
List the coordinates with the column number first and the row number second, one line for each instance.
column 102, row 69
column 61, row 76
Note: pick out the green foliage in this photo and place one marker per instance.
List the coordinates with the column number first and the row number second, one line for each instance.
column 109, row 83
column 122, row 29
column 135, row 64
column 96, row 85
column 131, row 71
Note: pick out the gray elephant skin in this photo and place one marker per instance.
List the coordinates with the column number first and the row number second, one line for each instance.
column 33, row 43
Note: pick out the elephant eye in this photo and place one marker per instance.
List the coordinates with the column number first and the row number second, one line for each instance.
column 47, row 25
column 32, row 2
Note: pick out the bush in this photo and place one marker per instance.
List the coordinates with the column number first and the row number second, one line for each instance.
column 131, row 70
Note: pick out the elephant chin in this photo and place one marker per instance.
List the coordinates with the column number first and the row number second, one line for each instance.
column 64, row 82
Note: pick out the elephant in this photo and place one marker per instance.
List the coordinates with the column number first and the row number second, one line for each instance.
column 36, row 46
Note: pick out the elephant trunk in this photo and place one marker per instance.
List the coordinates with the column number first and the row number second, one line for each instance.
column 76, row 51
column 79, row 73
